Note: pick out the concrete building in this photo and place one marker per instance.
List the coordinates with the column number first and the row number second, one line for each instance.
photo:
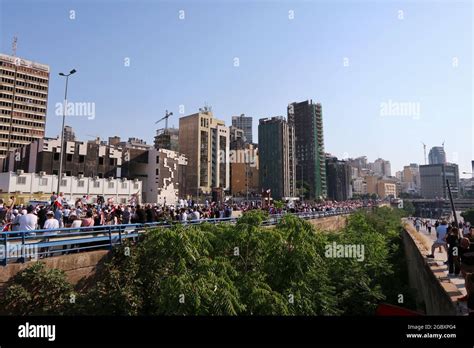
column 338, row 179
column 167, row 139
column 359, row 186
column 244, row 123
column 386, row 189
column 306, row 118
column 433, row 180
column 69, row 134
column 411, row 179
column 32, row 186
column 90, row 159
column 275, row 137
column 23, row 102
column 437, row 155
column 165, row 176
column 204, row 140
column 381, row 167
column 244, row 171
column 160, row 171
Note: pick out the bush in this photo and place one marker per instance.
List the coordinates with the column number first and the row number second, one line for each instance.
column 37, row 291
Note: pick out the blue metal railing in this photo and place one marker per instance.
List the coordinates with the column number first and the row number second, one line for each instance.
column 22, row 246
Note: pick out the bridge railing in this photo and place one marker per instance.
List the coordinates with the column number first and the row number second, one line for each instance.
column 22, row 246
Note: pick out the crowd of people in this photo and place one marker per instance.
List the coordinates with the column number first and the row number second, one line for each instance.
column 58, row 214
column 457, row 240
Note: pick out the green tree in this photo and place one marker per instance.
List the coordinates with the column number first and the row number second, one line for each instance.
column 37, row 290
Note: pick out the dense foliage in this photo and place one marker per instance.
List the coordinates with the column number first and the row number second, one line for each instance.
column 242, row 269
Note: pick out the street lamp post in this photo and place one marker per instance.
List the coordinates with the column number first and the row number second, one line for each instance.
column 62, row 130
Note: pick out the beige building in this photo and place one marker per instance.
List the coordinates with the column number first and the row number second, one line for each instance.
column 204, row 140
column 23, row 102
column 244, row 171
column 385, row 189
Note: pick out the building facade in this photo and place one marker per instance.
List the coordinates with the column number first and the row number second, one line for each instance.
column 433, row 179
column 167, row 139
column 437, row 155
column 23, row 102
column 306, row 118
column 276, row 173
column 204, row 140
column 244, row 171
column 244, row 123
column 29, row 186
column 338, row 179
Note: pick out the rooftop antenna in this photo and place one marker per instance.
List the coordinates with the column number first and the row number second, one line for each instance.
column 14, row 45
column 424, row 151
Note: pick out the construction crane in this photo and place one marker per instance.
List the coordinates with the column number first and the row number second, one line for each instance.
column 424, row 150
column 167, row 115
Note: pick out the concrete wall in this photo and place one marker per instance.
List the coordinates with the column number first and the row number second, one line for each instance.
column 436, row 295
column 76, row 266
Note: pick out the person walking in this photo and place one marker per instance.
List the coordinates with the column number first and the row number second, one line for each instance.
column 441, row 233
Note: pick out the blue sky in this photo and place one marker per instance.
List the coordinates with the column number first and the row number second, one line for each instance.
column 402, row 57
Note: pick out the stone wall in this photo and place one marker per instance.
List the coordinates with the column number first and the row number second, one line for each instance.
column 436, row 295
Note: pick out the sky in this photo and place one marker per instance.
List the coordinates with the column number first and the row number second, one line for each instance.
column 389, row 74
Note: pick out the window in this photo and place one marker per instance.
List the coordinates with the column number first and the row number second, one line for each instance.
column 63, row 182
column 123, row 200
column 80, row 183
column 157, row 159
column 21, row 180
column 56, row 156
column 96, row 184
column 112, row 161
column 69, row 157
column 44, row 182
column 111, row 185
column 81, row 158
column 135, row 186
column 124, row 185
column 157, row 171
column 101, row 160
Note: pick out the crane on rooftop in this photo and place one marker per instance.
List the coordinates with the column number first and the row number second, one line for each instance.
column 167, row 115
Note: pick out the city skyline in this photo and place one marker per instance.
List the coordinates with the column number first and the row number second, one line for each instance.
column 181, row 68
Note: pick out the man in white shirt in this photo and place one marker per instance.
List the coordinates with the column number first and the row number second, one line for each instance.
column 51, row 223
column 28, row 221
column 441, row 232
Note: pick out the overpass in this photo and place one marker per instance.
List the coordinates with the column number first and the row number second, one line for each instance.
column 435, row 208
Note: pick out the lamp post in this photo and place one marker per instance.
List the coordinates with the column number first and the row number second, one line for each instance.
column 62, row 130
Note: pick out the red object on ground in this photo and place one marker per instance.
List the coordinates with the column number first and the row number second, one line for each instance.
column 385, row 309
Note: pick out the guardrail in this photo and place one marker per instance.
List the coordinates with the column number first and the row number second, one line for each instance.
column 22, row 246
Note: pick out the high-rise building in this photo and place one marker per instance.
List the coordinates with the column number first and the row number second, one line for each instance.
column 306, row 118
column 437, row 155
column 381, row 167
column 245, row 123
column 275, row 152
column 23, row 102
column 338, row 179
column 433, row 180
column 69, row 134
column 411, row 179
column 204, row 140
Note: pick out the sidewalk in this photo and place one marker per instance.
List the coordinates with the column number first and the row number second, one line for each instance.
column 439, row 259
